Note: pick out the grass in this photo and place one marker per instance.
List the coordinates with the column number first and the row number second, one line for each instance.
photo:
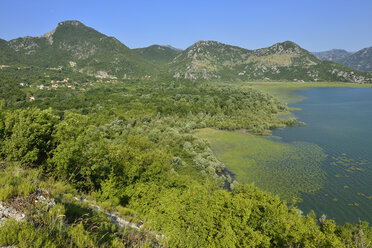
column 16, row 182
column 68, row 223
column 280, row 168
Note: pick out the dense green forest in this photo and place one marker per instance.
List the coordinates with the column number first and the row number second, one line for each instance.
column 129, row 147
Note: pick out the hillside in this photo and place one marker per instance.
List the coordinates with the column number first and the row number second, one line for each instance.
column 360, row 60
column 158, row 54
column 286, row 61
column 73, row 45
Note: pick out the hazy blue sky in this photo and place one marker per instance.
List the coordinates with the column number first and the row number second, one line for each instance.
column 313, row 24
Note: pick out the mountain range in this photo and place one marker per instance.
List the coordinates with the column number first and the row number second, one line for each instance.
column 360, row 60
column 80, row 48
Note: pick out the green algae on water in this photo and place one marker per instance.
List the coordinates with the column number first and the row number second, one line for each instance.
column 348, row 164
column 287, row 169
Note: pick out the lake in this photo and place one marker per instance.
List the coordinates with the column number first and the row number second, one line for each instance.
column 339, row 120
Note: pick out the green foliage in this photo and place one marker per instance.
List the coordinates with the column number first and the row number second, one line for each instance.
column 10, row 91
column 125, row 167
column 130, row 146
column 28, row 135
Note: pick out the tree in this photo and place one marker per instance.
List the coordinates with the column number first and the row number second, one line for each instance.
column 27, row 135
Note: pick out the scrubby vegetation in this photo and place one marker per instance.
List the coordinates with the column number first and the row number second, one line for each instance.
column 129, row 147
column 65, row 224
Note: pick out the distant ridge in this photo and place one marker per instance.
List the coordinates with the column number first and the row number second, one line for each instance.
column 360, row 60
column 158, row 54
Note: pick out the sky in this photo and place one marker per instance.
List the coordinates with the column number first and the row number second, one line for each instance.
column 313, row 24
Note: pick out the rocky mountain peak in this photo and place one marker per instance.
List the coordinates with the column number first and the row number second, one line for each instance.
column 71, row 23
column 207, row 43
column 286, row 47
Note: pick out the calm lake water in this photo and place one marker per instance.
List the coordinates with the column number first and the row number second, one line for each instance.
column 340, row 121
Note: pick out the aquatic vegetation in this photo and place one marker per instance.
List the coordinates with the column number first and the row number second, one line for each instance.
column 338, row 120
column 287, row 169
column 348, row 164
column 364, row 195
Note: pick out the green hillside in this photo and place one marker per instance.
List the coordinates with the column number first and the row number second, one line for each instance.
column 158, row 54
column 73, row 45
